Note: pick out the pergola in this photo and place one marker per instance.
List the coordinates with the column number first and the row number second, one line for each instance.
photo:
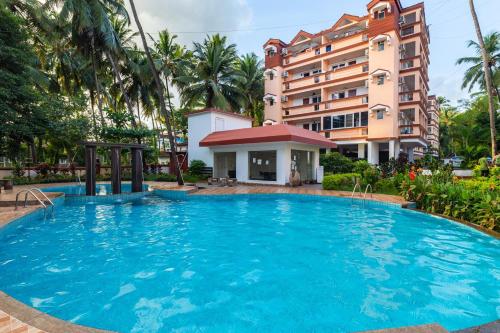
column 116, row 148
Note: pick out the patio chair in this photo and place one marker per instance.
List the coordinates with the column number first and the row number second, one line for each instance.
column 232, row 182
column 223, row 181
column 213, row 181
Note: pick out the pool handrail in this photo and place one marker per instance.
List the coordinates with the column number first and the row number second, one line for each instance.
column 366, row 191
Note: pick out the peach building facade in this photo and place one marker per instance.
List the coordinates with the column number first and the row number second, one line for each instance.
column 363, row 83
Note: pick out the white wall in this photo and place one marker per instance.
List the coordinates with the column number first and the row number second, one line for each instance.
column 203, row 123
column 283, row 159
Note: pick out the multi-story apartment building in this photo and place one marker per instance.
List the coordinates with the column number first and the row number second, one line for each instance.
column 433, row 111
column 363, row 83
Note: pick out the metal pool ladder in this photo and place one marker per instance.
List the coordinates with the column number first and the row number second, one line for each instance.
column 369, row 186
column 32, row 191
column 357, row 186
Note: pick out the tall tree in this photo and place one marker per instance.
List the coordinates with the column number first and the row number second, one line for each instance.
column 159, row 88
column 250, row 82
column 213, row 76
column 488, row 78
column 474, row 75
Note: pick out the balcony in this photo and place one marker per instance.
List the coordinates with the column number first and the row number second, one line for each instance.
column 348, row 133
column 339, row 43
column 409, row 96
column 330, row 105
column 303, row 82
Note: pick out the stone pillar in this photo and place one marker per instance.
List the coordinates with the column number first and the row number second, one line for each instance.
column 136, row 169
column 361, row 150
column 372, row 152
column 90, row 169
column 116, row 170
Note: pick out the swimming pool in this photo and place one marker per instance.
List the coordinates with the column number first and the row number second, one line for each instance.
column 251, row 263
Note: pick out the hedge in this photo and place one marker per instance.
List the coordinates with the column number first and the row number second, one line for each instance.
column 341, row 181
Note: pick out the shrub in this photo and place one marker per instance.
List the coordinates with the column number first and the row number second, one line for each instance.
column 196, row 167
column 336, row 163
column 386, row 186
column 343, row 181
column 18, row 170
column 360, row 166
column 42, row 169
column 476, row 201
column 370, row 176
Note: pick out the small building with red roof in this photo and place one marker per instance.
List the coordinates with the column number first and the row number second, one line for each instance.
column 262, row 155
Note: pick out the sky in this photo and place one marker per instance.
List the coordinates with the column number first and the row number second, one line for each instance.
column 250, row 23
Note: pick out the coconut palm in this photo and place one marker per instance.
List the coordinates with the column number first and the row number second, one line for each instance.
column 212, row 78
column 173, row 61
column 474, row 75
column 250, row 82
column 487, row 77
column 159, row 89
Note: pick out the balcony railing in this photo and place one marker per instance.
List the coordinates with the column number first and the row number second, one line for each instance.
column 354, row 101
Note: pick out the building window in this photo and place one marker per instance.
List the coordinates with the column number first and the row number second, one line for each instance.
column 380, row 114
column 352, row 92
column 380, row 80
column 305, row 126
column 327, row 123
column 328, row 48
column 262, row 165
column 327, row 135
column 338, row 121
column 349, row 120
column 381, row 45
column 271, row 102
column 379, row 15
column 315, row 127
column 271, row 76
column 407, row 31
column 352, row 62
column 364, row 118
column 317, row 52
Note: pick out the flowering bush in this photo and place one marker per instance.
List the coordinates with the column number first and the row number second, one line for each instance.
column 476, row 201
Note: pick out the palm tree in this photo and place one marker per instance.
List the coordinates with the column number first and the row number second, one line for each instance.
column 173, row 62
column 213, row 75
column 474, row 75
column 121, row 38
column 250, row 82
column 487, row 78
column 159, row 88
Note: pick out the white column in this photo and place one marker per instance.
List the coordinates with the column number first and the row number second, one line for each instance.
column 411, row 158
column 391, row 148
column 372, row 152
column 361, row 150
column 397, row 149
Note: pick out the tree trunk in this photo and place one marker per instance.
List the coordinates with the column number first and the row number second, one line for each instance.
column 138, row 110
column 31, row 144
column 92, row 108
column 489, row 82
column 96, row 81
column 122, row 88
column 173, row 146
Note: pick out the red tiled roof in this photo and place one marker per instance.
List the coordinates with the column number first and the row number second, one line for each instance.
column 265, row 134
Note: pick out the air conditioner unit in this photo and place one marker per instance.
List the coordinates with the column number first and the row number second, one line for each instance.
column 366, row 52
column 284, row 99
column 284, row 74
column 402, row 20
column 402, row 47
column 284, row 51
column 366, row 83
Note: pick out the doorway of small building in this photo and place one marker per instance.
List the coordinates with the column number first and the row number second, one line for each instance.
column 225, row 165
column 383, row 152
column 303, row 162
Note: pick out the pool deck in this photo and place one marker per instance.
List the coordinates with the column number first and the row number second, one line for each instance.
column 15, row 317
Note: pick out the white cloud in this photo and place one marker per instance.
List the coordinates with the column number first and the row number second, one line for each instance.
column 199, row 16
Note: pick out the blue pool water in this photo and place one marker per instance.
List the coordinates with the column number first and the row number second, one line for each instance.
column 101, row 189
column 260, row 263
